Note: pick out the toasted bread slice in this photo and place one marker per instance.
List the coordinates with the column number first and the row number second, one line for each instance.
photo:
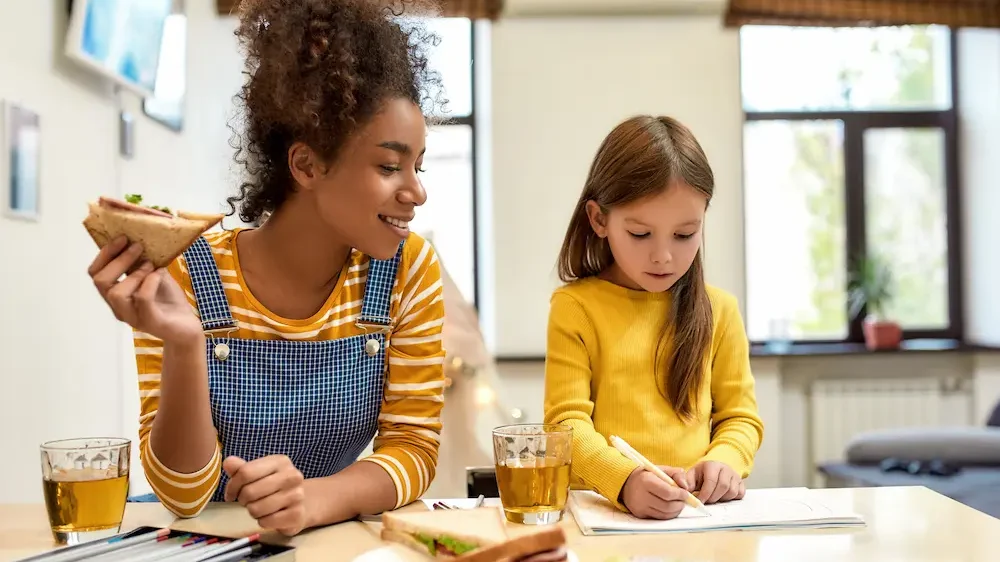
column 163, row 237
column 544, row 545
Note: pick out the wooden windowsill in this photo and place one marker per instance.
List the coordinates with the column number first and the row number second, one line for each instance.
column 850, row 348
column 827, row 350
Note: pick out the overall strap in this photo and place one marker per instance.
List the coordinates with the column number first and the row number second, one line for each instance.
column 208, row 291
column 378, row 292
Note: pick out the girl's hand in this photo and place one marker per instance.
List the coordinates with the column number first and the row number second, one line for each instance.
column 716, row 482
column 149, row 301
column 271, row 490
column 648, row 497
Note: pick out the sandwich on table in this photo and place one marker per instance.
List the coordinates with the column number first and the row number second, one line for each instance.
column 472, row 535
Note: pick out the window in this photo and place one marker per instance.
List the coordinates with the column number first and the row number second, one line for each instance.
column 448, row 218
column 849, row 151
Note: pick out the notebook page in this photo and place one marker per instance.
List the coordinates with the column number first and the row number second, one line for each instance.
column 759, row 509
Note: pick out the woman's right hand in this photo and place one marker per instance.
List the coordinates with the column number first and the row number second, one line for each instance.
column 148, row 300
column 648, row 497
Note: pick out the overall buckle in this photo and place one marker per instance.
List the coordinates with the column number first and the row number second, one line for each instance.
column 221, row 349
column 372, row 345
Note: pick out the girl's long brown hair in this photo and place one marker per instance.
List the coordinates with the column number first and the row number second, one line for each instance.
column 641, row 157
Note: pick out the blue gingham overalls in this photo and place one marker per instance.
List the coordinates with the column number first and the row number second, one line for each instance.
column 317, row 402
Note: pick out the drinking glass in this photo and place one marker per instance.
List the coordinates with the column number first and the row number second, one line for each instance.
column 86, row 485
column 533, row 466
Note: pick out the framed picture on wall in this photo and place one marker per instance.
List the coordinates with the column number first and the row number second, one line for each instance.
column 21, row 161
column 166, row 105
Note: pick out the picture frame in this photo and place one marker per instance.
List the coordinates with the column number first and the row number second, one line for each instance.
column 120, row 41
column 166, row 105
column 21, row 163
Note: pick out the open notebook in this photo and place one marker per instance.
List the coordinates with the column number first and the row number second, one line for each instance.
column 765, row 509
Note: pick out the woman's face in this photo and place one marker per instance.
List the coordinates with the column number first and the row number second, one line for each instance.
column 370, row 193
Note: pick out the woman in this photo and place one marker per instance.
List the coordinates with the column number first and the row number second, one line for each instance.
column 322, row 327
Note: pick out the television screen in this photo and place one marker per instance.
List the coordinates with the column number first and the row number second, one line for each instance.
column 119, row 39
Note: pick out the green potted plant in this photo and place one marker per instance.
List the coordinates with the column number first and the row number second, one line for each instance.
column 871, row 288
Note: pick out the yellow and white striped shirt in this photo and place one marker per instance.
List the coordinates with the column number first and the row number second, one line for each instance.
column 409, row 423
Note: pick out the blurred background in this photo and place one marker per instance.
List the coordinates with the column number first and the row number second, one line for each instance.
column 855, row 146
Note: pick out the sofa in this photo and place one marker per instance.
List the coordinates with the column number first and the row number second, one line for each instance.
column 962, row 463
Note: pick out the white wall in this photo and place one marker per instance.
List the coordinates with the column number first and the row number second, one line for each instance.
column 560, row 86
column 979, row 103
column 66, row 363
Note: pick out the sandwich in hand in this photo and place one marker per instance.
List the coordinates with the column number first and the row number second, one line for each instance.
column 471, row 535
column 163, row 235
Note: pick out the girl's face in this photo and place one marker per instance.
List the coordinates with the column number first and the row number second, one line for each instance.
column 654, row 240
column 369, row 195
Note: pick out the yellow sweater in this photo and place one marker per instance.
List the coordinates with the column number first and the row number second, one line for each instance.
column 409, row 424
column 600, row 378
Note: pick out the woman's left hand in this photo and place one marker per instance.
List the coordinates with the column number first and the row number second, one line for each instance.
column 271, row 490
column 715, row 482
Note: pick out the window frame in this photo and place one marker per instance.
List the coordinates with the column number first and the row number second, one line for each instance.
column 470, row 120
column 855, row 124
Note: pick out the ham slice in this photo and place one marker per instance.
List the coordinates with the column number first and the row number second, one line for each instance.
column 120, row 205
column 442, row 549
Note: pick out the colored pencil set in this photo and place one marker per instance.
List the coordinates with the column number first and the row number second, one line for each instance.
column 165, row 545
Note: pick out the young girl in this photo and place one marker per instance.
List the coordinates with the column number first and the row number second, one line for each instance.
column 638, row 345
column 321, row 329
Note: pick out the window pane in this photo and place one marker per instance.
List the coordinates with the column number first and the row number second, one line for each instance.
column 816, row 68
column 452, row 57
column 446, row 217
column 906, row 221
column 795, row 229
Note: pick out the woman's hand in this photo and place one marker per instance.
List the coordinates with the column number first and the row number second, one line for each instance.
column 648, row 497
column 716, row 482
column 271, row 490
column 149, row 301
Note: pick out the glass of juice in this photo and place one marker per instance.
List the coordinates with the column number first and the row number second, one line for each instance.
column 533, row 463
column 86, row 484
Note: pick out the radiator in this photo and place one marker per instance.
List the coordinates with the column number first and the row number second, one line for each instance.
column 839, row 409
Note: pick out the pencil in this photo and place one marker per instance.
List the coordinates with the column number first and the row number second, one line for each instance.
column 135, row 550
column 627, row 450
column 228, row 547
column 101, row 547
column 184, row 542
column 207, row 551
column 234, row 556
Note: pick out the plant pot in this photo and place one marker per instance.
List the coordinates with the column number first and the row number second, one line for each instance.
column 881, row 334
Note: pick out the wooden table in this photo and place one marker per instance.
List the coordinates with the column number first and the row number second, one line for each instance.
column 911, row 524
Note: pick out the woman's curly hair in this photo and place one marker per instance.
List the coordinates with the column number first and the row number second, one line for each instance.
column 316, row 71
